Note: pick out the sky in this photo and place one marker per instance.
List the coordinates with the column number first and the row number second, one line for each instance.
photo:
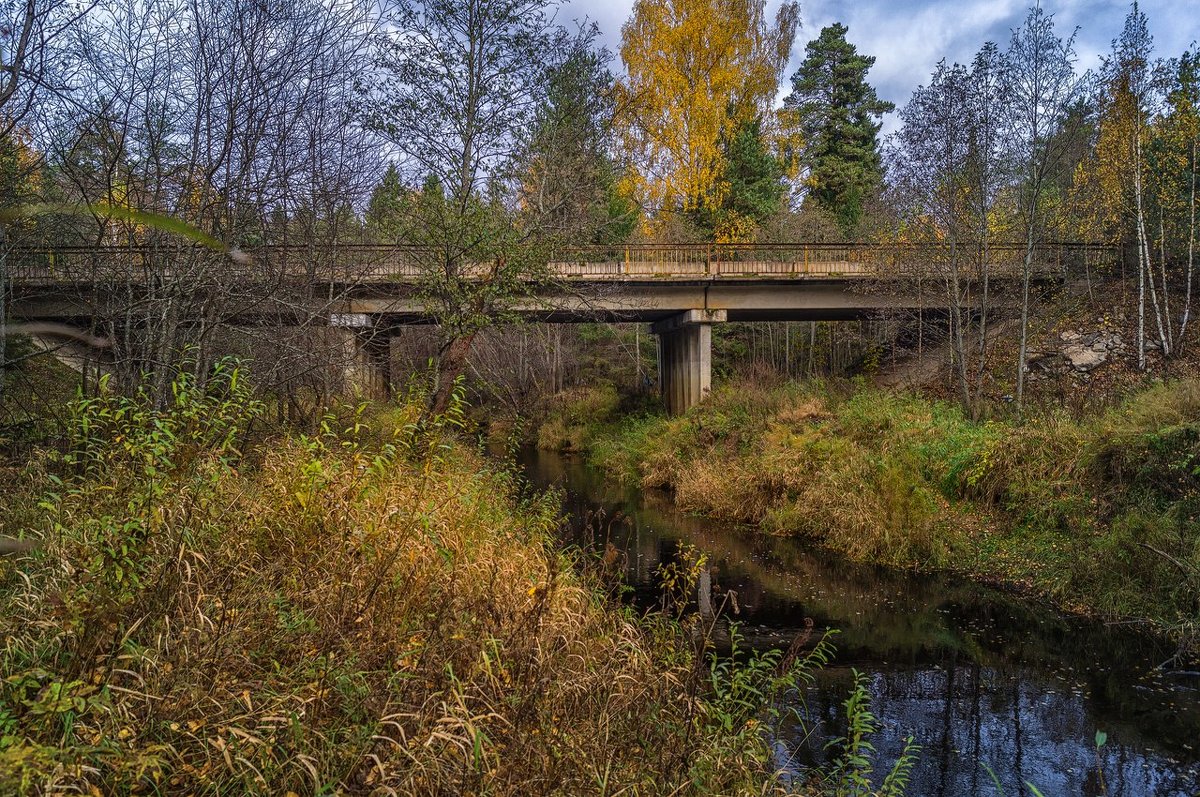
column 909, row 37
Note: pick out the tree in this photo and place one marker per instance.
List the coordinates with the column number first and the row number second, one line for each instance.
column 989, row 165
column 235, row 118
column 388, row 209
column 461, row 83
column 838, row 114
column 1142, row 175
column 1184, row 132
column 1127, row 104
column 31, row 65
column 1044, row 93
column 948, row 167
column 570, row 180
column 1171, row 162
column 749, row 191
column 32, row 62
column 696, row 68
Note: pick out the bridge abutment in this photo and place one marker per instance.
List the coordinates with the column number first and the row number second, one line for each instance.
column 685, row 357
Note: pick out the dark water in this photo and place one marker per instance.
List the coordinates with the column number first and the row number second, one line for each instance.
column 974, row 674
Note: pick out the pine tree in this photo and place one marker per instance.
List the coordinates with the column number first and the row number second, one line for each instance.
column 838, row 115
column 388, row 208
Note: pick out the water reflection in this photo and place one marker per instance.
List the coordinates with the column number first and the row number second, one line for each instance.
column 974, row 674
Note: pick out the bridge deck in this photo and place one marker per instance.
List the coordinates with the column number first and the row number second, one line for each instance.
column 370, row 290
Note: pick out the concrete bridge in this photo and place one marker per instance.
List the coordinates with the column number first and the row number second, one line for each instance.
column 681, row 289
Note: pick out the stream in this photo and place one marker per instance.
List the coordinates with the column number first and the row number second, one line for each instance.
column 975, row 674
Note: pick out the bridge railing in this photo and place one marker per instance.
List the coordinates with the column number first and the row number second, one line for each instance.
column 354, row 263
column 139, row 264
column 862, row 260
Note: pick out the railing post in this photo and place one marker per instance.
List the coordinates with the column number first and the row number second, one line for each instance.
column 627, row 258
column 708, row 260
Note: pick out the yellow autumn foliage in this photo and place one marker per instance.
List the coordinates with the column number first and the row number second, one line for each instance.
column 694, row 67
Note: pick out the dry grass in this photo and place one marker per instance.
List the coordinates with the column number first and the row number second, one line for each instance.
column 572, row 414
column 373, row 611
column 1098, row 511
column 804, row 460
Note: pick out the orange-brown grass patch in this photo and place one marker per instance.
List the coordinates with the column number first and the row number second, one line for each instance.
column 363, row 613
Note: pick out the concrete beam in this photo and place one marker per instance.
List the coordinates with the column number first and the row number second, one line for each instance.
column 689, row 318
column 811, row 300
column 646, row 301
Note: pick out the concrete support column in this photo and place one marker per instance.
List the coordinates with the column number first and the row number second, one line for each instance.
column 367, row 355
column 685, row 357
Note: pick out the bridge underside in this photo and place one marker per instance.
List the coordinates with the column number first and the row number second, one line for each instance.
column 650, row 302
column 682, row 314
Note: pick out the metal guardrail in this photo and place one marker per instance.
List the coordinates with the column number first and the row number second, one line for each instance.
column 367, row 263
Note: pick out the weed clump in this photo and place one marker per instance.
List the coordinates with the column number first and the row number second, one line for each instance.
column 368, row 608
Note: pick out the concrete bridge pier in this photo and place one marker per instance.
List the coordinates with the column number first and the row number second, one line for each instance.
column 685, row 357
column 367, row 355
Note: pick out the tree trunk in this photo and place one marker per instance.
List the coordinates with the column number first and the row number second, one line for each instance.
column 1141, row 241
column 451, row 365
column 787, row 348
column 1164, row 343
column 810, row 365
column 958, row 347
column 3, row 305
column 1023, row 349
column 1187, row 298
column 1162, row 265
column 985, row 274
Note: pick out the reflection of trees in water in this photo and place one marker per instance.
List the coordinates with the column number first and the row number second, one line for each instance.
column 965, row 715
column 977, row 675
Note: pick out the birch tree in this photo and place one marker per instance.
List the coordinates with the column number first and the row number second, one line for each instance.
column 696, row 68
column 1128, row 102
column 989, row 168
column 949, row 165
column 1042, row 88
column 930, row 170
column 1171, row 161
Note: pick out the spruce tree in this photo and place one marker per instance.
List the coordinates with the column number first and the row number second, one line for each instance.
column 749, row 191
column 389, row 207
column 838, row 115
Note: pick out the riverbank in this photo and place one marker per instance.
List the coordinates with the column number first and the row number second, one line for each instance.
column 1099, row 515
column 977, row 675
column 369, row 608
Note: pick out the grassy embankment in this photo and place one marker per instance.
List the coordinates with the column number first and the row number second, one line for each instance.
column 1100, row 514
column 368, row 609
